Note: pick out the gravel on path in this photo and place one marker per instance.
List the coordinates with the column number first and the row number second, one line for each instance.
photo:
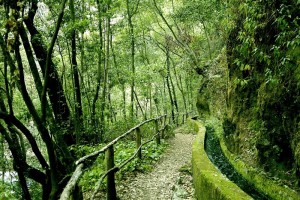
column 167, row 180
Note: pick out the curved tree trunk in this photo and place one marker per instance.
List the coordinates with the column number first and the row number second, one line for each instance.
column 55, row 89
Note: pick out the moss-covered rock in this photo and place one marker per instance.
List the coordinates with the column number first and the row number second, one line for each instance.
column 263, row 103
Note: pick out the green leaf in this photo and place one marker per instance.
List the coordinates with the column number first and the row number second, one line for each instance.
column 247, row 67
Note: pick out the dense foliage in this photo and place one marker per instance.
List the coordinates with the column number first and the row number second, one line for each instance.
column 263, row 103
column 74, row 74
column 252, row 85
column 77, row 74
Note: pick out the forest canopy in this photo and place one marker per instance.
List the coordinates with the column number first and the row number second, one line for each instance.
column 77, row 74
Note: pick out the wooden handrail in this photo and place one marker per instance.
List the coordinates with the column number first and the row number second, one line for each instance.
column 72, row 182
column 113, row 169
column 117, row 168
column 96, row 153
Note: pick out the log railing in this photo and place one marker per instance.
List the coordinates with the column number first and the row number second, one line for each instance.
column 108, row 150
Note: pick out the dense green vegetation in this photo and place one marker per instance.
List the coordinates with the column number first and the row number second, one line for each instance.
column 263, row 101
column 76, row 74
column 253, row 89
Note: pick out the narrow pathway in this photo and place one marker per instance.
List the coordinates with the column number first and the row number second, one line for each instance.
column 166, row 181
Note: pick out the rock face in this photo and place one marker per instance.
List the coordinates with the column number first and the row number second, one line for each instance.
column 263, row 103
column 261, row 115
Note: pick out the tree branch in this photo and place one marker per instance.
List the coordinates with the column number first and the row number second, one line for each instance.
column 28, row 135
column 186, row 47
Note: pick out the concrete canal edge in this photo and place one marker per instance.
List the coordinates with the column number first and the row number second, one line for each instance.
column 208, row 181
column 259, row 180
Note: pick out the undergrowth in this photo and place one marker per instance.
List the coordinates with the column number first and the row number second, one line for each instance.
column 123, row 150
column 188, row 127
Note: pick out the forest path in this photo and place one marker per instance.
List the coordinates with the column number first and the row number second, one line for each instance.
column 170, row 178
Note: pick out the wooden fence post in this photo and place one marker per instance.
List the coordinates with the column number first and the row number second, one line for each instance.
column 110, row 185
column 157, row 132
column 138, row 142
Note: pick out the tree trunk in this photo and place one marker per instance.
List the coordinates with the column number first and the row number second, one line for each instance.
column 18, row 160
column 78, row 104
column 105, row 76
column 207, row 39
column 140, row 106
column 173, row 91
column 42, row 129
column 2, row 158
column 183, row 94
column 180, row 85
column 120, row 80
column 55, row 90
column 132, row 57
column 188, row 84
column 33, row 67
column 96, row 96
column 168, row 83
column 150, row 98
column 112, row 116
column 60, row 161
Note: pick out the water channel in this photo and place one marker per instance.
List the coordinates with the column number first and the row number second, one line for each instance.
column 217, row 157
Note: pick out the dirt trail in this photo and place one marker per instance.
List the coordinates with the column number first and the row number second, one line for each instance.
column 165, row 181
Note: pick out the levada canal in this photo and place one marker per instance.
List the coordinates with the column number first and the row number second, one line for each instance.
column 217, row 157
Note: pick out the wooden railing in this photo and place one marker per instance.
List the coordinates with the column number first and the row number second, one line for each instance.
column 111, row 169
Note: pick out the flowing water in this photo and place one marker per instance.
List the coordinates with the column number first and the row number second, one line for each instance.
column 216, row 155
